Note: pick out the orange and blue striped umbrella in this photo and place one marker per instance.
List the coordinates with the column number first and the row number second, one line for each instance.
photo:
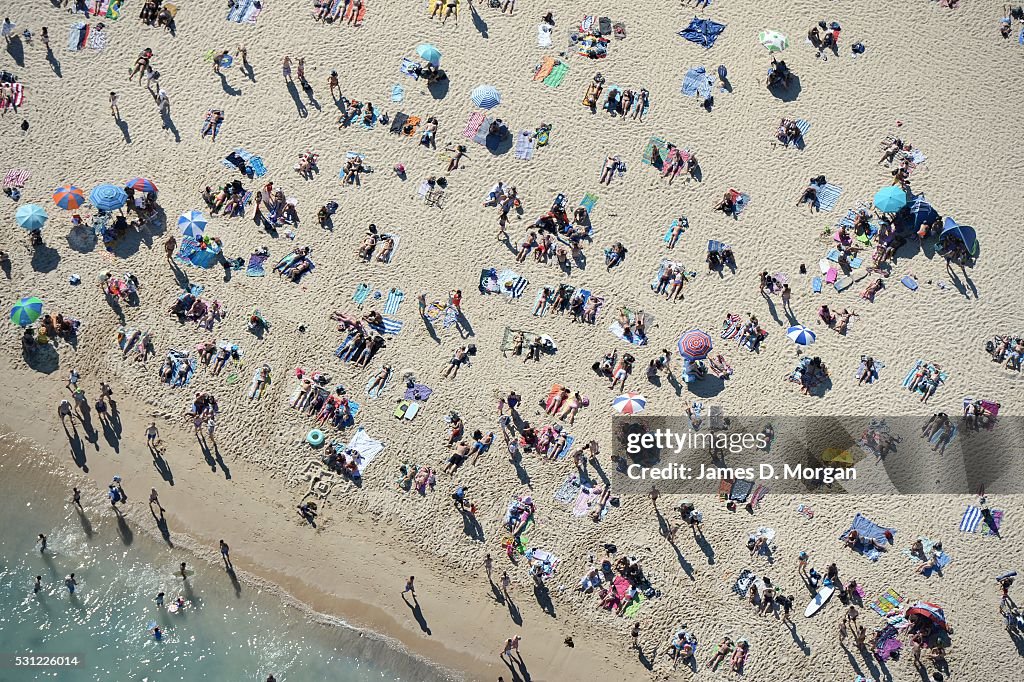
column 68, row 197
column 141, row 185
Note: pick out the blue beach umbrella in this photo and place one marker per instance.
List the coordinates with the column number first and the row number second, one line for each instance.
column 890, row 199
column 26, row 311
column 921, row 211
column 430, row 53
column 107, row 197
column 31, row 217
column 801, row 335
column 965, row 233
column 485, row 96
column 192, row 224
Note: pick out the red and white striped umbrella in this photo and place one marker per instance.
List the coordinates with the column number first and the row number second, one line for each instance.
column 629, row 403
column 695, row 345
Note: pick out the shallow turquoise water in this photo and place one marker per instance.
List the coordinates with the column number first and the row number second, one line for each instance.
column 220, row 636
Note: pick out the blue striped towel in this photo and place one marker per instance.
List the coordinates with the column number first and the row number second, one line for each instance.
column 256, row 166
column 828, row 196
column 696, row 82
column 237, row 13
column 519, row 284
column 390, row 326
column 803, row 126
column 395, row 298
column 397, row 93
column 362, row 293
column 972, row 517
column 741, row 203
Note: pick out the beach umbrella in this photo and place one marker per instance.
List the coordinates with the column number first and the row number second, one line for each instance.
column 964, row 233
column 773, row 40
column 485, row 96
column 890, row 199
column 192, row 224
column 31, row 217
column 107, row 197
column 68, row 197
column 629, row 403
column 26, row 311
column 694, row 345
column 930, row 611
column 801, row 335
column 430, row 53
column 921, row 211
column 141, row 185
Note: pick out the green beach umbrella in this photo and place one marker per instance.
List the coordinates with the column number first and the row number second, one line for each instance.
column 26, row 311
column 773, row 41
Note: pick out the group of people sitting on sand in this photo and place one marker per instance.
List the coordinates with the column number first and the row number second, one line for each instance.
column 383, row 244
column 1006, row 349
column 840, row 323
column 229, row 200
column 361, row 344
column 296, row 263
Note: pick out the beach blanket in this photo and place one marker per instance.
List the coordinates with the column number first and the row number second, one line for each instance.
column 396, row 240
column 507, row 341
column 484, row 131
column 587, row 496
column 255, row 266
column 128, row 338
column 997, row 520
column 696, row 81
column 389, row 325
column 557, row 75
column 634, row 606
column 473, row 125
column 702, row 31
column 375, row 393
column 867, row 529
column 525, row 145
column 543, row 70
column 408, row 67
column 923, row 383
column 177, row 380
column 362, row 293
column 569, row 490
column 489, row 281
column 620, row 333
column 927, row 545
column 743, row 582
column 828, row 196
column 511, row 283
column 367, row 447
column 204, row 130
column 741, row 490
column 419, row 392
column 655, row 152
column 98, row 39
column 742, row 200
column 78, row 36
column 16, row 177
column 887, row 604
column 395, row 298
column 971, row 519
column 588, row 202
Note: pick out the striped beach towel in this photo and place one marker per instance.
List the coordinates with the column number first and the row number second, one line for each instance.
column 803, row 126
column 389, row 326
column 511, row 283
column 473, row 125
column 828, row 196
column 16, row 177
column 655, row 144
column 395, row 298
column 888, row 603
column 362, row 293
column 236, row 12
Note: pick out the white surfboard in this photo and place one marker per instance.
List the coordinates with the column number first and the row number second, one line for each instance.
column 820, row 599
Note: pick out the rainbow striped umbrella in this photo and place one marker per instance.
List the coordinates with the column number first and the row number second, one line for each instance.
column 68, row 197
column 141, row 185
column 629, row 403
column 26, row 311
column 694, row 345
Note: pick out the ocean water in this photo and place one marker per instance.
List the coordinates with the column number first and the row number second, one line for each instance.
column 226, row 633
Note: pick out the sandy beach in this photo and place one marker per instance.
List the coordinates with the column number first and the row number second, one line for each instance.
column 941, row 79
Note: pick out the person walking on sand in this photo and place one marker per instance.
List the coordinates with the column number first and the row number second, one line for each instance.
column 506, row 651
column 218, row 60
column 182, row 572
column 801, row 564
column 488, row 566
column 76, row 497
column 635, row 635
column 225, row 554
column 332, row 84
column 421, row 301
column 114, row 111
column 64, row 411
column 786, row 295
column 506, row 582
column 242, row 55
column 169, row 246
column 211, row 426
column 410, row 587
column 154, row 498
column 286, row 69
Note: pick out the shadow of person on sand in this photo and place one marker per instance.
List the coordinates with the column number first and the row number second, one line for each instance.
column 299, row 105
column 417, row 613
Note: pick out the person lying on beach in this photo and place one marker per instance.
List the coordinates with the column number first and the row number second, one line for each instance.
column 869, row 293
column 681, row 224
column 809, row 196
column 727, row 205
column 724, row 648
column 843, row 320
column 210, row 126
column 854, row 540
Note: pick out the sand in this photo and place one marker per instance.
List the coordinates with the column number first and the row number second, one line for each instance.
column 945, row 74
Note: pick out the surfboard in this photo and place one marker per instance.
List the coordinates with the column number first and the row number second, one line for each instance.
column 820, row 599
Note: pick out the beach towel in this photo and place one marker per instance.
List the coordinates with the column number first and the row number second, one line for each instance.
column 511, row 283
column 360, row 13
column 367, row 447
column 543, row 70
column 878, row 365
column 743, row 582
column 389, row 325
column 588, row 202
column 204, row 131
column 16, row 177
column 971, row 519
column 398, row 122
column 668, row 233
column 78, row 36
column 887, row 647
column 742, row 200
column 235, row 13
column 484, row 131
column 97, row 41
column 408, row 67
column 375, row 393
column 395, row 298
column 101, row 10
column 525, row 145
column 451, row 316
column 928, row 545
column 544, row 35
column 177, row 381
column 362, row 293
column 126, row 342
column 997, row 521
column 634, row 606
column 569, row 490
column 654, row 152
column 702, row 31
column 620, row 333
column 741, row 490
column 396, row 240
column 828, row 196
column 586, row 497
column 557, row 75
column 888, row 603
column 489, row 281
column 255, row 266
column 419, row 392
column 696, row 81
column 473, row 125
column 397, row 93
column 868, row 529
column 569, row 440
